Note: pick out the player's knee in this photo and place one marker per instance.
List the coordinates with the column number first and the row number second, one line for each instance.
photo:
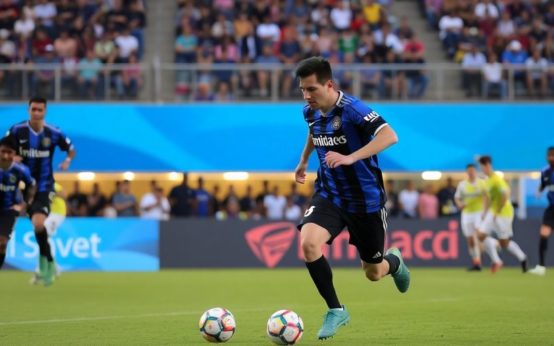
column 310, row 248
column 372, row 272
column 373, row 275
column 471, row 241
column 545, row 231
column 504, row 243
column 481, row 236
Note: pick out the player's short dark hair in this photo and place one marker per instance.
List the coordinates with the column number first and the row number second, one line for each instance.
column 485, row 160
column 37, row 99
column 9, row 142
column 550, row 149
column 470, row 165
column 315, row 65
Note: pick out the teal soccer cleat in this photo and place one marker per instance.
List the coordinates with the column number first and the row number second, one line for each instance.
column 402, row 275
column 332, row 321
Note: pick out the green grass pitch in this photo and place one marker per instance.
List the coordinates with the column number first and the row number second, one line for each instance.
column 442, row 307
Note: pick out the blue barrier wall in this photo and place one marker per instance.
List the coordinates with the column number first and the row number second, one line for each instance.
column 92, row 244
column 269, row 137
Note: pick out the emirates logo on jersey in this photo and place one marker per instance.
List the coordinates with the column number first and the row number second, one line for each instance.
column 270, row 242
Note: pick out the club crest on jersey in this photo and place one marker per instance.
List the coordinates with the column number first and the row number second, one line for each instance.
column 336, row 122
column 46, row 142
column 12, row 178
column 371, row 117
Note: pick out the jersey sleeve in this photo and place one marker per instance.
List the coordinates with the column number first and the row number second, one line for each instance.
column 544, row 180
column 25, row 176
column 64, row 143
column 458, row 194
column 366, row 118
column 308, row 114
column 11, row 132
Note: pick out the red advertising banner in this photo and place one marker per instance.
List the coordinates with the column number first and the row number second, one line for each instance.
column 193, row 243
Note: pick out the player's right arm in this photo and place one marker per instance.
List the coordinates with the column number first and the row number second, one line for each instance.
column 458, row 196
column 542, row 185
column 300, row 171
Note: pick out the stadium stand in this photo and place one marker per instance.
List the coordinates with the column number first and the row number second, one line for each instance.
column 248, row 48
column 93, row 45
column 516, row 33
column 283, row 33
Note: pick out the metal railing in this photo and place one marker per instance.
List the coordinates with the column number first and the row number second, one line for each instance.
column 169, row 82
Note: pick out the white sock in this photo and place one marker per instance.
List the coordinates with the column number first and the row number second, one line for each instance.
column 477, row 251
column 490, row 247
column 516, row 251
column 471, row 251
column 337, row 309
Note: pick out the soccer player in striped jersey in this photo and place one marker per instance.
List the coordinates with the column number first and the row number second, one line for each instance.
column 11, row 174
column 499, row 218
column 471, row 198
column 347, row 135
column 547, row 183
column 36, row 142
column 58, row 211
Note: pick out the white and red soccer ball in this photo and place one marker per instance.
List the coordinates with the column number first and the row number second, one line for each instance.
column 217, row 325
column 285, row 327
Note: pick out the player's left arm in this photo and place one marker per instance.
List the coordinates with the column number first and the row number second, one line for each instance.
column 65, row 144
column 541, row 186
column 64, row 166
column 372, row 125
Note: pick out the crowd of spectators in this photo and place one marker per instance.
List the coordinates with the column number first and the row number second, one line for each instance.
column 87, row 38
column 486, row 36
column 263, row 32
column 269, row 202
column 185, row 201
column 426, row 203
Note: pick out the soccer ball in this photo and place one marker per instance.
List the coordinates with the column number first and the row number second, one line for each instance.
column 217, row 325
column 285, row 327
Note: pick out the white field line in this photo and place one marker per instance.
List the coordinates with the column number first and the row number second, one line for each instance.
column 177, row 313
column 110, row 317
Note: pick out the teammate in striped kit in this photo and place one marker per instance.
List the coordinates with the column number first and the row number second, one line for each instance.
column 58, row 211
column 11, row 174
column 347, row 136
column 547, row 183
column 471, row 198
column 36, row 142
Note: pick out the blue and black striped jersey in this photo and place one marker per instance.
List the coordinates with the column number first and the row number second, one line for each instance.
column 9, row 184
column 547, row 182
column 350, row 125
column 37, row 151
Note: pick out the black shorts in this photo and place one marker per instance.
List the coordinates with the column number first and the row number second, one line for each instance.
column 548, row 217
column 367, row 230
column 41, row 203
column 7, row 221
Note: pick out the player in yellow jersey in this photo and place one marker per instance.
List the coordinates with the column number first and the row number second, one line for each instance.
column 499, row 218
column 58, row 211
column 471, row 198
